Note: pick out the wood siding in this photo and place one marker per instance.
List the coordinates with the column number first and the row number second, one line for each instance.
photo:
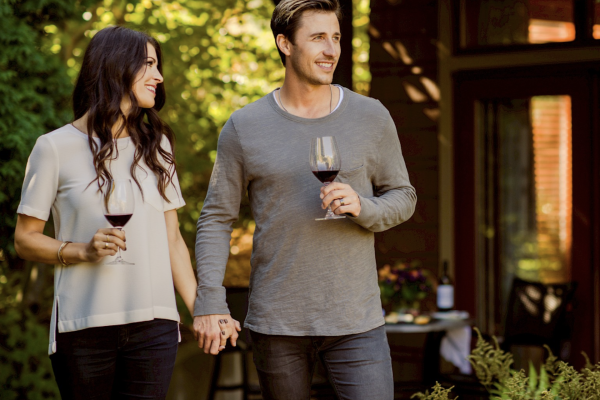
column 403, row 64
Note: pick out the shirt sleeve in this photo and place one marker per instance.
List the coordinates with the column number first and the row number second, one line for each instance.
column 394, row 197
column 227, row 186
column 41, row 180
column 173, row 190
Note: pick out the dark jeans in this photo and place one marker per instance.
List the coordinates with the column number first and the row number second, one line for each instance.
column 359, row 366
column 116, row 362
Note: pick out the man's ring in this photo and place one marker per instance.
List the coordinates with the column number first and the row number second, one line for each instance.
column 342, row 202
column 106, row 245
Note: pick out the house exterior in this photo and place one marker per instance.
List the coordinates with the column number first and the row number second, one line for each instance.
column 496, row 106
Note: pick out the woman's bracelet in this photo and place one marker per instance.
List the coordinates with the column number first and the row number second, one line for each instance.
column 60, row 255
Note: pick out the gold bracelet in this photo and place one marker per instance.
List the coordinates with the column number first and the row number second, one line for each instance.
column 60, row 255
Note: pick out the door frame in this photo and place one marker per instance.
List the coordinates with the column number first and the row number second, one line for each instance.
column 580, row 81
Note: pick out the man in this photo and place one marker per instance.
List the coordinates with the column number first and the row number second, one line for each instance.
column 313, row 287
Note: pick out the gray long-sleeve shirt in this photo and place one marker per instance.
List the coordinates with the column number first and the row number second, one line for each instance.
column 308, row 277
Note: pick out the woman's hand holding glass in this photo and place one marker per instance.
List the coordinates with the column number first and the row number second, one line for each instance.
column 106, row 242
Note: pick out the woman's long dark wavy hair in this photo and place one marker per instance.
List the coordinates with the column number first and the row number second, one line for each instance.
column 110, row 66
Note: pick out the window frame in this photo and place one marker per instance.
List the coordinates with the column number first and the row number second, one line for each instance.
column 476, row 283
column 583, row 13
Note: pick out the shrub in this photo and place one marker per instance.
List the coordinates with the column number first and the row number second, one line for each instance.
column 24, row 350
column 556, row 379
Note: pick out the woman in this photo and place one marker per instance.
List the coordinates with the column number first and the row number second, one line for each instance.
column 114, row 329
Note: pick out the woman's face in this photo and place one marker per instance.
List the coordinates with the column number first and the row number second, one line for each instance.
column 148, row 77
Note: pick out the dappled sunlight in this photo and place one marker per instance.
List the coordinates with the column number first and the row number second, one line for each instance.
column 413, row 93
column 217, row 58
column 238, row 271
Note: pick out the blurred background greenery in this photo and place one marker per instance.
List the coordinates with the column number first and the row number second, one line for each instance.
column 218, row 56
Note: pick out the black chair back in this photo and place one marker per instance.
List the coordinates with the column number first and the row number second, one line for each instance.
column 537, row 314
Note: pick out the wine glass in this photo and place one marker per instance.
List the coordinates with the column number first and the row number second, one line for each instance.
column 118, row 209
column 325, row 163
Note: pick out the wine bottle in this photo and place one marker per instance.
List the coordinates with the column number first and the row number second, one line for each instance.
column 445, row 291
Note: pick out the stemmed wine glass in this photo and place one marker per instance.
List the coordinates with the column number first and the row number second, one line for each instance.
column 325, row 163
column 118, row 209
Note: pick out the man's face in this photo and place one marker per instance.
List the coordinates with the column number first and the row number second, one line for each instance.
column 316, row 48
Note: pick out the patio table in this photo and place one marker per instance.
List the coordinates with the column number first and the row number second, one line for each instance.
column 433, row 326
column 435, row 332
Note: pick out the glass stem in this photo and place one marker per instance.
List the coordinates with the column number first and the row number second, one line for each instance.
column 329, row 212
column 119, row 258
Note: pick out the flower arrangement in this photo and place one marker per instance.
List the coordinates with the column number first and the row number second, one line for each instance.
column 404, row 285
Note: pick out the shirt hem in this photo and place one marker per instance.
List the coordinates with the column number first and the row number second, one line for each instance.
column 173, row 206
column 118, row 319
column 316, row 332
column 32, row 212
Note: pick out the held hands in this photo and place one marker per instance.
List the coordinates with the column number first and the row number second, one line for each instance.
column 105, row 242
column 212, row 332
column 342, row 197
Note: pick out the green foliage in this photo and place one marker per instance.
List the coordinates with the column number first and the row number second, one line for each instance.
column 34, row 91
column 361, row 75
column 490, row 363
column 522, row 387
column 438, row 393
column 550, row 366
column 218, row 57
column 556, row 379
column 26, row 371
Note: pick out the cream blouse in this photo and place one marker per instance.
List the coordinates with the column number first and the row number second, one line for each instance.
column 87, row 295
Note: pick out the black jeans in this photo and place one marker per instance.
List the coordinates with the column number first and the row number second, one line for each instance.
column 132, row 361
column 359, row 366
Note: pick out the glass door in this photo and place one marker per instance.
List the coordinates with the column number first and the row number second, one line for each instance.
column 524, row 204
column 524, row 190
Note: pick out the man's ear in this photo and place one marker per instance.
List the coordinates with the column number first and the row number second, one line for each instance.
column 284, row 44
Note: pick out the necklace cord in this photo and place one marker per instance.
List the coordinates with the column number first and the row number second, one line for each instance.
column 330, row 99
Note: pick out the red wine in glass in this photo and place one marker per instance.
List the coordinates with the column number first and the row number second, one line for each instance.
column 326, row 176
column 118, row 209
column 118, row 220
column 325, row 164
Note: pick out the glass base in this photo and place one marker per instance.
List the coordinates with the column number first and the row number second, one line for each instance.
column 330, row 215
column 120, row 261
column 328, row 218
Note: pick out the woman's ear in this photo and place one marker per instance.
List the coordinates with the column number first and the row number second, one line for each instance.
column 284, row 44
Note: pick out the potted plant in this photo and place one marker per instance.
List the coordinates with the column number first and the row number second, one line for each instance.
column 403, row 286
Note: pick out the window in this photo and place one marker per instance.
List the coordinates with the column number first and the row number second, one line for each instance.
column 596, row 32
column 515, row 22
column 525, row 199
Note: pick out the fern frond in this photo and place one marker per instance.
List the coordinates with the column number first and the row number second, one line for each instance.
column 570, row 387
column 550, row 364
column 438, row 393
column 591, row 384
column 588, row 364
column 490, row 363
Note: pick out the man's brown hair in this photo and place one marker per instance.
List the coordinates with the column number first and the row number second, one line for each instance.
column 287, row 14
